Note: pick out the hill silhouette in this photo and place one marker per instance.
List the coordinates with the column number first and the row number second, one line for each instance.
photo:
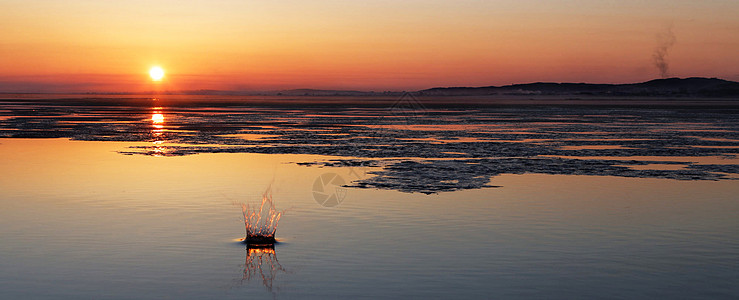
column 694, row 86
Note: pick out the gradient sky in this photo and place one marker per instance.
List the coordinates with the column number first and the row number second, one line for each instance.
column 76, row 45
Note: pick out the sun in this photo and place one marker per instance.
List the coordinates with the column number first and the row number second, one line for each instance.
column 156, row 73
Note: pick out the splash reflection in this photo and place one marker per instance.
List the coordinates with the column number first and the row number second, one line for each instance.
column 261, row 262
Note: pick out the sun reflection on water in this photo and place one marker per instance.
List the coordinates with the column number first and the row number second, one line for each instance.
column 157, row 123
column 158, row 119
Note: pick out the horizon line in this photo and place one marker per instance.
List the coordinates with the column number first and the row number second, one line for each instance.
column 257, row 92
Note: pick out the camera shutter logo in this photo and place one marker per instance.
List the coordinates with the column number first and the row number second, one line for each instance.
column 328, row 190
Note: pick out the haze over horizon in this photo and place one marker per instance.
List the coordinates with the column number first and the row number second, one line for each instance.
column 92, row 46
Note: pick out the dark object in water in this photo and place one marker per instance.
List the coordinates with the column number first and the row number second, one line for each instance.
column 258, row 240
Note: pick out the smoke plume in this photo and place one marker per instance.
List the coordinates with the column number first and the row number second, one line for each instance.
column 665, row 41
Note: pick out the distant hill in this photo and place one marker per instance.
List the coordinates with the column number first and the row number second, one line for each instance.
column 293, row 92
column 670, row 87
column 694, row 86
column 316, row 92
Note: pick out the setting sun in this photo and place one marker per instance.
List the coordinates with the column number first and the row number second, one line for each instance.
column 156, row 73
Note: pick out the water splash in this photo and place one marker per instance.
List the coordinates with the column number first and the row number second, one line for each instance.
column 261, row 224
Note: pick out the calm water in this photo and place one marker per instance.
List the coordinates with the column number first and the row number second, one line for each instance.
column 76, row 225
column 79, row 220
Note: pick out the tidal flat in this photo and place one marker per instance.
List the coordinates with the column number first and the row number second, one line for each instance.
column 421, row 145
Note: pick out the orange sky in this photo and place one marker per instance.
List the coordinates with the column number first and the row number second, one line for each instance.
column 67, row 46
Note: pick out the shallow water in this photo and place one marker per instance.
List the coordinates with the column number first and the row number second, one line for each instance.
column 77, row 225
column 80, row 220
